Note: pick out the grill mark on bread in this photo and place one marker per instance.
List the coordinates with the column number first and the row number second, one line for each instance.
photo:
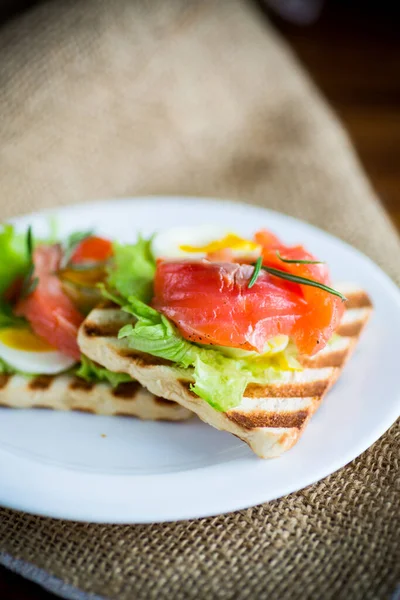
column 186, row 387
column 107, row 304
column 287, row 390
column 84, row 409
column 126, row 390
column 34, row 406
column 142, row 359
column 350, row 329
column 358, row 300
column 259, row 418
column 80, row 384
column 164, row 401
column 4, row 379
column 41, row 382
column 333, row 359
column 101, row 329
column 121, row 413
column 271, row 425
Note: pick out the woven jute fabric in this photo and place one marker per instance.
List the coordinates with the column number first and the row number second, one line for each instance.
column 113, row 98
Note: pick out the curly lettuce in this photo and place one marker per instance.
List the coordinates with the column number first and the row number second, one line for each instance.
column 216, row 377
column 95, row 373
column 14, row 256
column 219, row 380
column 132, row 270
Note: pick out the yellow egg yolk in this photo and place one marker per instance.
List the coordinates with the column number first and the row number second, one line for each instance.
column 20, row 338
column 87, row 278
column 231, row 241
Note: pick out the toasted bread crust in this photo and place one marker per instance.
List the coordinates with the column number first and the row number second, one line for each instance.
column 64, row 392
column 270, row 418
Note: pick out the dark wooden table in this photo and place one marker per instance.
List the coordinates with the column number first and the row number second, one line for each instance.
column 354, row 56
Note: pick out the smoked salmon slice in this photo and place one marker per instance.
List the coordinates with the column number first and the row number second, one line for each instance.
column 211, row 303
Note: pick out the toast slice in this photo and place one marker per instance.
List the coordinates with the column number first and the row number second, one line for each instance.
column 66, row 392
column 270, row 418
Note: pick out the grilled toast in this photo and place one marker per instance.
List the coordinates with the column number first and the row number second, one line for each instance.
column 66, row 392
column 270, row 418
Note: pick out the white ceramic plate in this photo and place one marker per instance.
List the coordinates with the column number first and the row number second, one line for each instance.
column 59, row 465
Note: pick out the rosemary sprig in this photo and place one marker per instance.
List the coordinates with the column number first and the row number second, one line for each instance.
column 29, row 242
column 257, row 269
column 303, row 281
column 299, row 262
column 29, row 282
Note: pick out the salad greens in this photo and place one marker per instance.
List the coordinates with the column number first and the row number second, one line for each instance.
column 220, row 380
column 7, row 318
column 90, row 371
column 6, row 369
column 14, row 256
column 133, row 270
column 16, row 262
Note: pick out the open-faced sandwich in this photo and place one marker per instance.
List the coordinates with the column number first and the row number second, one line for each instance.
column 46, row 289
column 247, row 333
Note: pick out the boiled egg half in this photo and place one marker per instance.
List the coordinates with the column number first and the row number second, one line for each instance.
column 198, row 242
column 23, row 350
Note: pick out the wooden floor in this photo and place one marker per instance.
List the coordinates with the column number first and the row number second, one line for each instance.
column 354, row 56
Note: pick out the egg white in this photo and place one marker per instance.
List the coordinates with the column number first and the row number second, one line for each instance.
column 167, row 244
column 46, row 363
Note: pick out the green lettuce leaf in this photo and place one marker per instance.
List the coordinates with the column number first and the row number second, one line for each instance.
column 220, row 380
column 7, row 318
column 6, row 369
column 14, row 258
column 216, row 377
column 155, row 334
column 94, row 373
column 87, row 370
column 132, row 270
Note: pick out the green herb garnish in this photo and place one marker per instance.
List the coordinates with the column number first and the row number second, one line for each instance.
column 303, row 281
column 299, row 262
column 29, row 282
column 7, row 317
column 257, row 269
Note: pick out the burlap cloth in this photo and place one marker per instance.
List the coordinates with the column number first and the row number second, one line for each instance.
column 120, row 98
